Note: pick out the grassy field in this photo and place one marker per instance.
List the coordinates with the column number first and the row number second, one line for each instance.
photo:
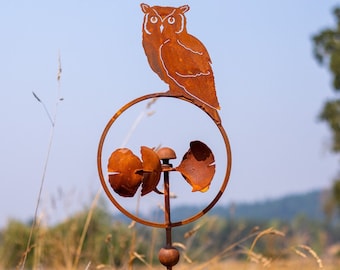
column 117, row 246
column 293, row 264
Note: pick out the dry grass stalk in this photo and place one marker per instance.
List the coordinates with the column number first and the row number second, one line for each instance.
column 263, row 233
column 193, row 231
column 186, row 258
column 313, row 253
column 41, row 231
column 161, row 207
column 22, row 263
column 139, row 118
column 24, row 255
column 180, row 245
column 184, row 254
column 258, row 258
column 141, row 258
column 132, row 253
column 254, row 233
column 301, row 254
column 88, row 266
column 85, row 229
column 132, row 224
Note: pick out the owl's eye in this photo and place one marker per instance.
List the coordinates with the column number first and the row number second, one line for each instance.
column 171, row 20
column 154, row 19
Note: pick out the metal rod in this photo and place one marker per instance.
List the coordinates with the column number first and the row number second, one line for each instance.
column 167, row 216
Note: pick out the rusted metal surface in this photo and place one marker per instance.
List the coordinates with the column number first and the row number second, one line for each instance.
column 197, row 166
column 183, row 62
column 122, row 168
column 103, row 173
column 151, row 170
column 126, row 172
column 179, row 58
column 166, row 153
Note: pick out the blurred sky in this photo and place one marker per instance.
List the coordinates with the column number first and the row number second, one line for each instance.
column 270, row 89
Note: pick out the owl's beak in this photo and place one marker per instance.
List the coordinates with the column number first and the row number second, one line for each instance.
column 161, row 28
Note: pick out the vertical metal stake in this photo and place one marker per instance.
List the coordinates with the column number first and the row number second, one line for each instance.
column 168, row 255
column 167, row 216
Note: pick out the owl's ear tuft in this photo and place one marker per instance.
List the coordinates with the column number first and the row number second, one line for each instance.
column 184, row 8
column 145, row 7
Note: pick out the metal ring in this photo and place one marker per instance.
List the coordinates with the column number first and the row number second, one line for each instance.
column 136, row 218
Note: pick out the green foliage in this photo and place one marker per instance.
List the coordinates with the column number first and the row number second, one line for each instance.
column 327, row 49
column 107, row 242
column 13, row 241
column 110, row 242
column 336, row 191
column 331, row 114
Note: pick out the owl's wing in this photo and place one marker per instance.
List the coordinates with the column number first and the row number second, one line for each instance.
column 187, row 64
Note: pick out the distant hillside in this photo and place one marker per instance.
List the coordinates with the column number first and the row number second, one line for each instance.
column 310, row 205
column 285, row 208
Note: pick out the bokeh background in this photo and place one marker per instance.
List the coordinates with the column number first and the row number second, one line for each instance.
column 270, row 88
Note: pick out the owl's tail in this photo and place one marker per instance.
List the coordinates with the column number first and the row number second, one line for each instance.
column 209, row 109
column 212, row 112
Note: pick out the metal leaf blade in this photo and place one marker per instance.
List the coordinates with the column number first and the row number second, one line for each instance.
column 197, row 166
column 123, row 167
column 152, row 169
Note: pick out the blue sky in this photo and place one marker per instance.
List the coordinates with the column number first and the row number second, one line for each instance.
column 269, row 86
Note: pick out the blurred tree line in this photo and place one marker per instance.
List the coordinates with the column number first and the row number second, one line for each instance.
column 327, row 52
column 111, row 243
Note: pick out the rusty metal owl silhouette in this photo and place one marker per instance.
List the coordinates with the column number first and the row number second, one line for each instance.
column 178, row 58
